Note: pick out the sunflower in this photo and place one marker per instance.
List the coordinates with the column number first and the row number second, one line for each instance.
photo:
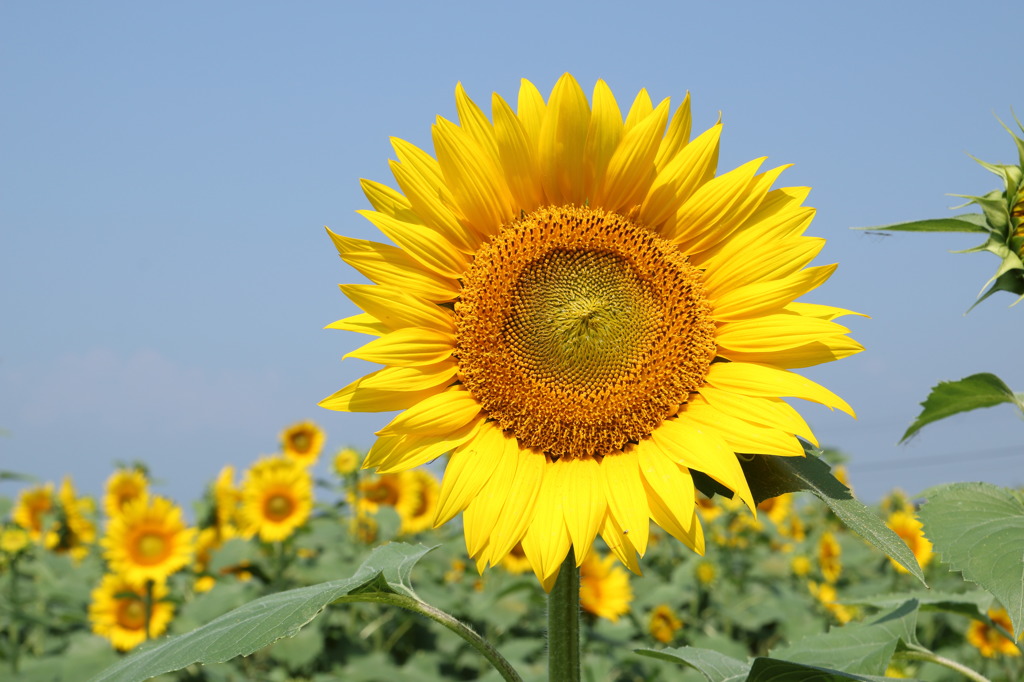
column 277, row 498
column 580, row 311
column 226, row 498
column 906, row 525
column 346, row 462
column 826, row 595
column 13, row 539
column 148, row 540
column 118, row 611
column 75, row 531
column 988, row 640
column 418, row 514
column 515, row 562
column 303, row 442
column 32, row 507
column 604, row 587
column 829, row 553
column 123, row 486
column 664, row 624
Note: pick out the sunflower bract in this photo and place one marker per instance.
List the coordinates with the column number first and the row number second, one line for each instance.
column 579, row 310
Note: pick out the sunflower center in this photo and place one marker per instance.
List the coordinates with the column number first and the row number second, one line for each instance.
column 278, row 507
column 151, row 547
column 131, row 614
column 301, row 442
column 580, row 331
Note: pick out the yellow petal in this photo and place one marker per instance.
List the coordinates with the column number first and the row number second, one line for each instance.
column 773, row 412
column 440, row 413
column 769, row 382
column 531, row 111
column 774, row 332
column 386, row 264
column 678, row 134
column 619, row 543
column 670, row 491
column 486, row 507
column 778, row 259
column 824, row 312
column 807, row 355
column 475, row 122
column 361, row 323
column 627, row 501
column 640, row 109
column 603, row 137
column 477, row 184
column 470, row 467
column 769, row 296
column 547, row 541
column 432, row 210
column 563, row 138
column 585, row 504
column 518, row 157
column 388, row 389
column 631, row 169
column 696, row 447
column 395, row 308
column 679, row 179
column 518, row 512
column 387, row 200
column 407, row 347
column 422, row 243
column 742, row 435
column 419, row 449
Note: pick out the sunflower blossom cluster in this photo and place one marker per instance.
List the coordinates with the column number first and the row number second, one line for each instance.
column 582, row 310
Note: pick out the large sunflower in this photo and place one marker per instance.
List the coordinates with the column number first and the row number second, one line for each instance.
column 277, row 498
column 148, row 540
column 582, row 312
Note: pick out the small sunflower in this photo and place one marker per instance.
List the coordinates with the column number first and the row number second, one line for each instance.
column 664, row 624
column 226, row 498
column 581, row 312
column 303, row 442
column 148, row 540
column 604, row 587
column 906, row 525
column 75, row 529
column 13, row 539
column 826, row 594
column 277, row 498
column 829, row 553
column 124, row 486
column 515, row 562
column 346, row 461
column 32, row 508
column 419, row 514
column 988, row 640
column 118, row 611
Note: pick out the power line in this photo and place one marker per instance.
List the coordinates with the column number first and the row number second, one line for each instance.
column 932, row 460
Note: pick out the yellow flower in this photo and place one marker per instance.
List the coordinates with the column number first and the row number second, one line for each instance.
column 75, row 530
column 581, row 312
column 829, row 562
column 346, row 461
column 277, row 498
column 148, row 540
column 364, row 528
column 826, row 594
column 118, row 611
column 418, row 514
column 990, row 641
column 123, row 486
column 906, row 525
column 800, row 565
column 13, row 539
column 204, row 583
column 604, row 587
column 32, row 507
column 226, row 499
column 664, row 624
column 777, row 508
column 706, row 572
column 515, row 562
column 303, row 442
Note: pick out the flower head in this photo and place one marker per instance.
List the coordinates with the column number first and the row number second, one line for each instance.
column 75, row 530
column 988, row 640
column 148, row 540
column 277, row 498
column 303, row 442
column 604, row 587
column 346, row 461
column 906, row 525
column 118, row 611
column 581, row 312
column 32, row 508
column 124, row 486
column 664, row 624
column 829, row 553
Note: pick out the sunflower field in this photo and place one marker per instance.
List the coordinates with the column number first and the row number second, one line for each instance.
column 591, row 337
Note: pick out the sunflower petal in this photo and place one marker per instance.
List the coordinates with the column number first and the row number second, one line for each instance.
column 670, row 490
column 678, row 135
column 620, row 544
column 806, row 355
column 764, row 381
column 395, row 308
column 418, row 449
column 518, row 157
column 773, row 412
column 742, row 435
column 361, row 323
column 603, row 136
column 386, row 264
column 631, row 168
column 422, row 243
column 627, row 501
column 764, row 297
column 547, row 542
column 563, row 139
column 775, row 332
column 439, row 413
column 470, row 467
column 520, row 504
column 585, row 504
column 408, row 347
column 676, row 182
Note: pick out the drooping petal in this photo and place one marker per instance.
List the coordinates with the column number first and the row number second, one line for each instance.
column 742, row 435
column 470, row 467
column 765, row 381
column 547, row 541
column 521, row 501
column 773, row 412
column 627, row 501
column 585, row 503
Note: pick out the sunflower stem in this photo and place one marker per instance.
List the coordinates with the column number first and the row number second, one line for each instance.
column 931, row 657
column 564, row 623
column 147, row 602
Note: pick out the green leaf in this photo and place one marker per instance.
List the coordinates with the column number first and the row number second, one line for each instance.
column 978, row 528
column 265, row 620
column 969, row 222
column 714, row 666
column 953, row 397
column 770, row 476
column 970, row 604
column 773, row 670
column 860, row 648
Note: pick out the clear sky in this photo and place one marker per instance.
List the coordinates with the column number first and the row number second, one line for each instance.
column 167, row 170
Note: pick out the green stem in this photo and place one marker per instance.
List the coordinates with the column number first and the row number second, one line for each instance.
column 503, row 667
column 15, row 626
column 945, row 662
column 564, row 623
column 148, row 603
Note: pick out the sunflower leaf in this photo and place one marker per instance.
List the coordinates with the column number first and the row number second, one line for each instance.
column 773, row 670
column 970, row 222
column 268, row 619
column 859, row 648
column 771, row 476
column 978, row 528
column 952, row 397
column 715, row 666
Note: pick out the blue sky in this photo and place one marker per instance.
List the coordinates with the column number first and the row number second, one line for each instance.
column 167, row 170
